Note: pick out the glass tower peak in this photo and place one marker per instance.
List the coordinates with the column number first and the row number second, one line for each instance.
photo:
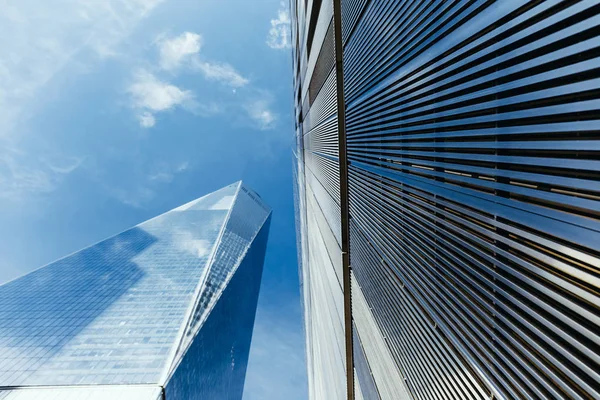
column 128, row 312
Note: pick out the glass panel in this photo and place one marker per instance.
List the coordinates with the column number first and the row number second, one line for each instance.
column 111, row 313
column 122, row 392
column 214, row 365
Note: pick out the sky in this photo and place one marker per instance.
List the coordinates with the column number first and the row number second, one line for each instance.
column 114, row 111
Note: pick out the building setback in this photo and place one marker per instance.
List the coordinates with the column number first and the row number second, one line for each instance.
column 164, row 310
column 448, row 197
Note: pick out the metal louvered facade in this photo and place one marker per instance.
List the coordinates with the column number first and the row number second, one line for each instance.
column 318, row 198
column 454, row 152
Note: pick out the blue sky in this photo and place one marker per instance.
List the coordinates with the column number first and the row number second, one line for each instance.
column 114, row 111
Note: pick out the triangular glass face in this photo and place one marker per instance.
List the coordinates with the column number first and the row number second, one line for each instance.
column 222, row 199
column 247, row 216
column 112, row 313
column 214, row 365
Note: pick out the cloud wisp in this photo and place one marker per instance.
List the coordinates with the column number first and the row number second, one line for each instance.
column 279, row 34
column 174, row 51
column 259, row 110
column 39, row 42
column 147, row 119
column 40, row 39
column 222, row 73
column 261, row 114
column 152, row 93
column 22, row 175
column 184, row 51
column 149, row 96
column 144, row 180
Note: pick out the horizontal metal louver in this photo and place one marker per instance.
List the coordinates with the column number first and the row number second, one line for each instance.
column 323, row 66
column 351, row 11
column 318, row 203
column 474, row 147
column 324, row 106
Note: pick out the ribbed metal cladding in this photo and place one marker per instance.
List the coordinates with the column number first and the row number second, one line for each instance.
column 474, row 148
column 324, row 65
column 363, row 379
column 318, row 201
column 351, row 11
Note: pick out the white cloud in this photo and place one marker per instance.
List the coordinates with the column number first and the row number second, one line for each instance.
column 147, row 120
column 184, row 50
column 223, row 73
column 279, row 34
column 260, row 112
column 176, row 50
column 150, row 95
column 148, row 92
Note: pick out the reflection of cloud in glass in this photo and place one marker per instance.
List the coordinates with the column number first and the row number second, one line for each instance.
column 56, row 305
column 223, row 204
column 117, row 312
column 197, row 247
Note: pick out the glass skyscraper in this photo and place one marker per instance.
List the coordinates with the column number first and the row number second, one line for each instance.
column 164, row 310
column 448, row 197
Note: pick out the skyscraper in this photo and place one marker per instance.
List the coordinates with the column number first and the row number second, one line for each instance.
column 448, row 197
column 164, row 310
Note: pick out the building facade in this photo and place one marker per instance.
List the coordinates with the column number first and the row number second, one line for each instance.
column 448, row 197
column 164, row 310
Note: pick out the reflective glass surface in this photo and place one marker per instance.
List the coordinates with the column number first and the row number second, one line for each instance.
column 121, row 392
column 246, row 218
column 214, row 365
column 116, row 312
